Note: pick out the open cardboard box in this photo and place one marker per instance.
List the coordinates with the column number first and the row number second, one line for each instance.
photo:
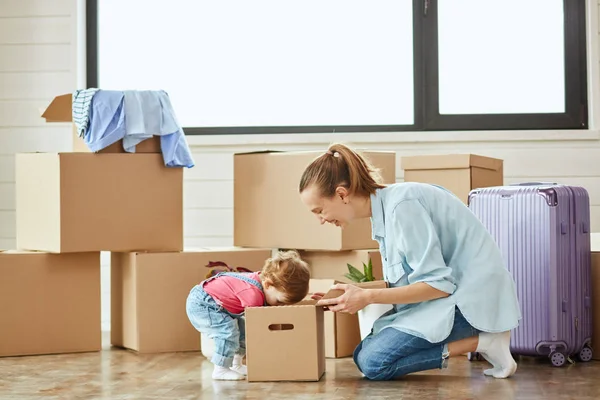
column 287, row 343
column 61, row 110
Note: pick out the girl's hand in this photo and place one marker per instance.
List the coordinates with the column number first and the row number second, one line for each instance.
column 317, row 296
column 353, row 299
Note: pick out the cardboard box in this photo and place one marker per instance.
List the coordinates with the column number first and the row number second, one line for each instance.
column 60, row 110
column 81, row 202
column 459, row 173
column 334, row 264
column 287, row 343
column 149, row 292
column 268, row 212
column 595, row 245
column 341, row 330
column 49, row 303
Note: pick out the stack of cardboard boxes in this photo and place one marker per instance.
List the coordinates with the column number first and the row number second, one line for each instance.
column 291, row 342
column 73, row 205
column 70, row 207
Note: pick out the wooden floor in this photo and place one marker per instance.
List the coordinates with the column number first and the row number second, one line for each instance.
column 120, row 374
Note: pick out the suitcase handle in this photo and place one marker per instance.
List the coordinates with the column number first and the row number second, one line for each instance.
column 549, row 194
column 535, row 184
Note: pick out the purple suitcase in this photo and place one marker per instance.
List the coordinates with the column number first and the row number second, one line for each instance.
column 542, row 230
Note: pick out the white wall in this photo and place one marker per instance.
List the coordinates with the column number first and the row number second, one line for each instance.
column 39, row 58
column 35, row 63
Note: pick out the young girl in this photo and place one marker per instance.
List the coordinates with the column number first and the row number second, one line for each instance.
column 216, row 306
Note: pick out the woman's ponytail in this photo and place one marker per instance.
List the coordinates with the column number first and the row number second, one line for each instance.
column 341, row 166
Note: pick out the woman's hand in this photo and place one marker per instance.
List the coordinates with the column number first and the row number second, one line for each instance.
column 353, row 299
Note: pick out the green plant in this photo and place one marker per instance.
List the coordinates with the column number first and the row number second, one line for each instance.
column 356, row 276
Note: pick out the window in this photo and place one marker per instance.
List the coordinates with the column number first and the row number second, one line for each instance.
column 269, row 66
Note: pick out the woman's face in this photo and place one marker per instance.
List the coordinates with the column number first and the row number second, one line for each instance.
column 335, row 210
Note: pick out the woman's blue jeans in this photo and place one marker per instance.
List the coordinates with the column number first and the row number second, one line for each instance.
column 390, row 353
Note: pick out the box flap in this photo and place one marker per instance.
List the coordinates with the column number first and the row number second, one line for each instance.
column 450, row 161
column 258, row 152
column 60, row 109
column 22, row 252
column 324, row 286
column 271, row 151
column 306, row 302
column 333, row 293
column 321, row 285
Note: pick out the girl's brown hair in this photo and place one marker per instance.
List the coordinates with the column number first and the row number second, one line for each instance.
column 289, row 274
column 341, row 166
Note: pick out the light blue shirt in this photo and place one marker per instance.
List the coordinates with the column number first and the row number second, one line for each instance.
column 426, row 234
column 135, row 116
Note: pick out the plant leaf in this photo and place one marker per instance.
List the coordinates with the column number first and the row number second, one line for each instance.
column 355, row 272
column 351, row 277
column 369, row 271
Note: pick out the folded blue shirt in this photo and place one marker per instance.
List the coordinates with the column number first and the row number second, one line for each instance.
column 135, row 116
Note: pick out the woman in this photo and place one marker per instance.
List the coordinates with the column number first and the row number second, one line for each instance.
column 447, row 281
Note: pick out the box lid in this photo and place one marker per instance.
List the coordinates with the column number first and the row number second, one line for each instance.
column 450, row 161
column 60, row 109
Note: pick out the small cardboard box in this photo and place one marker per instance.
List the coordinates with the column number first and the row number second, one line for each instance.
column 287, row 343
column 81, row 202
column 149, row 292
column 595, row 245
column 334, row 264
column 266, row 196
column 459, row 173
column 341, row 330
column 49, row 303
column 61, row 110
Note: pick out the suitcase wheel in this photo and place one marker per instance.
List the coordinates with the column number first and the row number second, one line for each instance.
column 586, row 354
column 473, row 356
column 558, row 359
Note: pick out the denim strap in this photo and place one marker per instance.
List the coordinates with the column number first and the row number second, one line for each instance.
column 244, row 277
